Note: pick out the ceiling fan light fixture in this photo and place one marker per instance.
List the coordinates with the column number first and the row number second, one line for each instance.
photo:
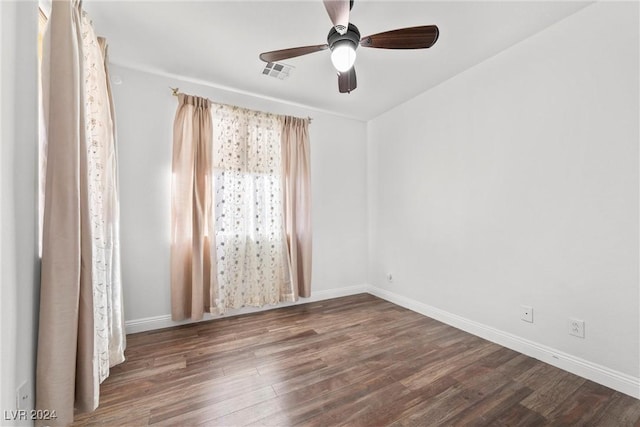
column 343, row 55
column 343, row 44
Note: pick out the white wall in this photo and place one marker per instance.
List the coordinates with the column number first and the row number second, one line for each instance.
column 145, row 111
column 516, row 182
column 18, row 200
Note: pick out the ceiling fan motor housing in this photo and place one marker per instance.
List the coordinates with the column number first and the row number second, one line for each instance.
column 352, row 36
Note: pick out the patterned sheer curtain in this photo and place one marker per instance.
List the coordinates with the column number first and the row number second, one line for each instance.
column 251, row 248
column 81, row 332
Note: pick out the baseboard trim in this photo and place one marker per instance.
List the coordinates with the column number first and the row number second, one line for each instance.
column 164, row 321
column 619, row 381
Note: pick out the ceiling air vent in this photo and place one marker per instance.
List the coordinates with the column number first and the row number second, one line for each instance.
column 279, row 71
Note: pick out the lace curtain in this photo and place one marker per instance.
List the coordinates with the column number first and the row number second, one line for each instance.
column 251, row 249
column 81, row 333
column 108, row 316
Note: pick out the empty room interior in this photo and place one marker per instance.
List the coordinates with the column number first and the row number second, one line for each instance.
column 208, row 218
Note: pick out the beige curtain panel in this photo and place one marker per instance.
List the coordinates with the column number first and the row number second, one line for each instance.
column 296, row 168
column 81, row 333
column 192, row 235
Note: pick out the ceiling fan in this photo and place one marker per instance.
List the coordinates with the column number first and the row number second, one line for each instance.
column 344, row 38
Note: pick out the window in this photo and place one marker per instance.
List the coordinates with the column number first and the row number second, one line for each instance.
column 241, row 223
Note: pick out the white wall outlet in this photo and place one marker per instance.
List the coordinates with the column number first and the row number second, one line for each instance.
column 576, row 327
column 23, row 397
column 526, row 313
column 389, row 277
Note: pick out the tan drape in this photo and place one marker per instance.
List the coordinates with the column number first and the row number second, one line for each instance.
column 64, row 351
column 297, row 200
column 192, row 235
column 80, row 251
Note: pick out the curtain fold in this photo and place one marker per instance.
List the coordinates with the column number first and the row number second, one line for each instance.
column 296, row 167
column 192, row 235
column 81, row 330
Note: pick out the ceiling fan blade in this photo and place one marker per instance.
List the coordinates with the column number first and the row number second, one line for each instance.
column 347, row 81
column 278, row 55
column 338, row 11
column 404, row 38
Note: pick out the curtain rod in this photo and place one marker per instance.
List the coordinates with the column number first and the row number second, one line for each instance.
column 175, row 91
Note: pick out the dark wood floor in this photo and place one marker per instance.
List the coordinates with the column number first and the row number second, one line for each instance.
column 357, row 360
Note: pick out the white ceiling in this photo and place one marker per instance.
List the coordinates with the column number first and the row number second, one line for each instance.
column 219, row 42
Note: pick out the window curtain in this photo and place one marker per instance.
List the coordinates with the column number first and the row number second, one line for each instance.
column 251, row 249
column 109, row 245
column 192, row 236
column 297, row 200
column 250, row 243
column 81, row 333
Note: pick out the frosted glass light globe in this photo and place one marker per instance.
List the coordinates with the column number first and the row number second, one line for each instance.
column 343, row 56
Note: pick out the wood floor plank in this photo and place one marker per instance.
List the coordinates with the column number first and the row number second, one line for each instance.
column 437, row 410
column 190, row 415
column 447, row 361
column 391, row 405
column 580, row 406
column 518, row 415
column 546, row 399
column 352, row 361
column 620, row 410
column 491, row 405
column 302, row 406
column 248, row 416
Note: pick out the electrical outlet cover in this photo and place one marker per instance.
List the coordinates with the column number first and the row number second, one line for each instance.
column 576, row 327
column 23, row 397
column 526, row 313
